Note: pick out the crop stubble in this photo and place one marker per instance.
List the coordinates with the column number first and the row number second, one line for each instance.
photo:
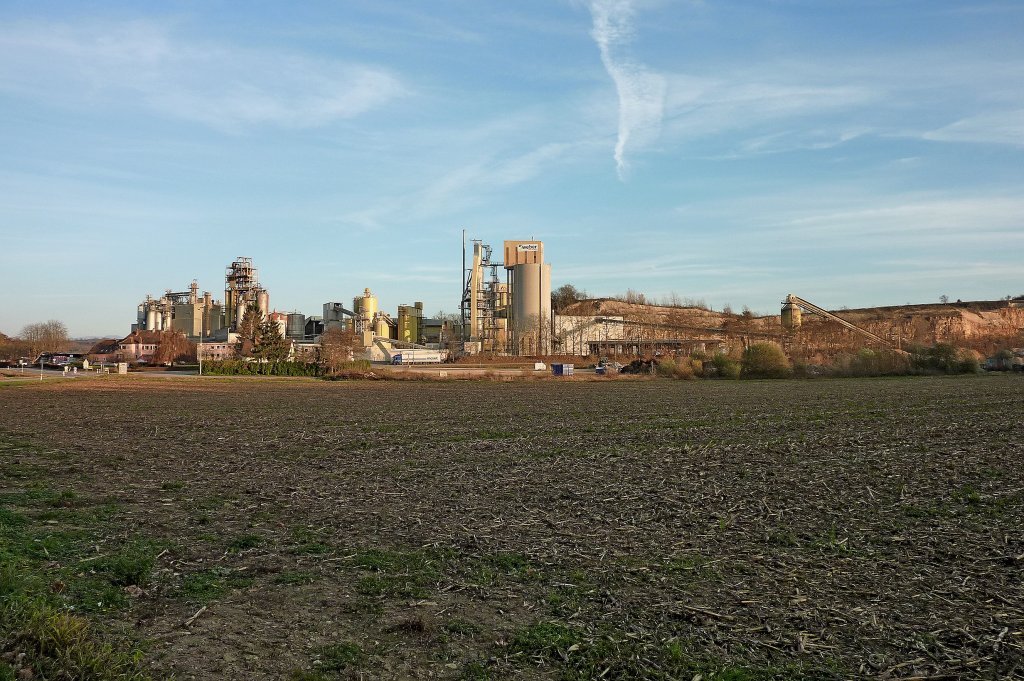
column 555, row 530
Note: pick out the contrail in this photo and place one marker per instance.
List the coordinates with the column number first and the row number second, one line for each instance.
column 641, row 92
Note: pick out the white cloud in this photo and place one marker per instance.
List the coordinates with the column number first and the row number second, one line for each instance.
column 463, row 186
column 997, row 127
column 641, row 92
column 909, row 218
column 222, row 86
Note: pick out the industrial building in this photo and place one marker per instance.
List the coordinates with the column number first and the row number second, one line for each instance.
column 203, row 317
column 511, row 316
column 506, row 309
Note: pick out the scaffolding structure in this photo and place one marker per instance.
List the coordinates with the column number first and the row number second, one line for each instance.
column 484, row 301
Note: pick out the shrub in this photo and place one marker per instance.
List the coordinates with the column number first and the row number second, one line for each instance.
column 726, row 366
column 239, row 367
column 766, row 360
column 869, row 362
column 945, row 358
column 669, row 368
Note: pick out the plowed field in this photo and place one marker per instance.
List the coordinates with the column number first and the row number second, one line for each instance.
column 623, row 529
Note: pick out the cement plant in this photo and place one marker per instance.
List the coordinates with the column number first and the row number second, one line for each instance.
column 506, row 310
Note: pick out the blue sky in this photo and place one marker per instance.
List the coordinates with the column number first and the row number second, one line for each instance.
column 855, row 153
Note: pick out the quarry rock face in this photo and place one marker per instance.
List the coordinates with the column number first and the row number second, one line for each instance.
column 982, row 326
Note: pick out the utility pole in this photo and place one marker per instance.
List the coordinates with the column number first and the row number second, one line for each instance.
column 462, row 288
column 199, row 347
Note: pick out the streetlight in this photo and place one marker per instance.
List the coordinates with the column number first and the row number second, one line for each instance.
column 199, row 347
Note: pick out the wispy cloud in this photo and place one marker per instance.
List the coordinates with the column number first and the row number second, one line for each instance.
column 462, row 186
column 641, row 92
column 997, row 127
column 148, row 64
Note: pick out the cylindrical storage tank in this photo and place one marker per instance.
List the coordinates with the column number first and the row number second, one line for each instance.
column 263, row 300
column 239, row 314
column 791, row 316
column 531, row 305
column 151, row 319
column 409, row 323
column 296, row 325
column 166, row 325
column 531, row 295
column 281, row 319
column 369, row 304
column 382, row 328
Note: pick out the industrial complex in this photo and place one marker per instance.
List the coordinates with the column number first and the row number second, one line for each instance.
column 509, row 314
column 506, row 309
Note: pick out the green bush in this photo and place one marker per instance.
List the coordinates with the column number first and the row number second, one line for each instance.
column 239, row 367
column 669, row 368
column 766, row 360
column 944, row 358
column 868, row 362
column 726, row 366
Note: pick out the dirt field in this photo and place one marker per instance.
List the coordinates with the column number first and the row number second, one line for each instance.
column 471, row 530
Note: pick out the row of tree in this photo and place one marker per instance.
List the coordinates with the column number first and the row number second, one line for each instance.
column 34, row 339
column 260, row 338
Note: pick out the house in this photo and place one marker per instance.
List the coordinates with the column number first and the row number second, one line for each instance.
column 219, row 349
column 138, row 346
column 103, row 351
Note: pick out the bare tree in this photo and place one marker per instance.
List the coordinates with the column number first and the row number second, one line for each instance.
column 12, row 349
column 565, row 295
column 337, row 346
column 174, row 347
column 51, row 336
column 633, row 297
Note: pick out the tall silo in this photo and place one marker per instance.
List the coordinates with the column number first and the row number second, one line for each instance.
column 381, row 327
column 531, row 306
column 790, row 314
column 365, row 307
column 263, row 301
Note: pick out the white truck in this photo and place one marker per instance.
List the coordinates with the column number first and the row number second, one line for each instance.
column 418, row 356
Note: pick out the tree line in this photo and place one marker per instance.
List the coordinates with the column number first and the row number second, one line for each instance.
column 35, row 339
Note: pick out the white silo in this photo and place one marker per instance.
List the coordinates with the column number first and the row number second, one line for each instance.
column 531, row 306
column 263, row 300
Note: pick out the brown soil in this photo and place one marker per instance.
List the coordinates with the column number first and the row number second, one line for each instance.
column 824, row 529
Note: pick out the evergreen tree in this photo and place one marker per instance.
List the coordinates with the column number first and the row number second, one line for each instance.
column 271, row 346
column 249, row 329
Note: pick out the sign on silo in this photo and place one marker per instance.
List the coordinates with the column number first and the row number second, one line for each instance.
column 523, row 253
